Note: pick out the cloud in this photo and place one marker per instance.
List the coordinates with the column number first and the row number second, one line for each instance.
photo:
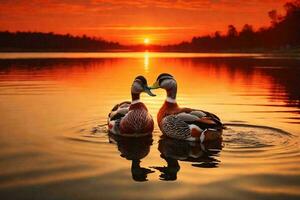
column 139, row 28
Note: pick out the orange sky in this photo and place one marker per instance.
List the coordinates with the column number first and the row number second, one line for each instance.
column 129, row 22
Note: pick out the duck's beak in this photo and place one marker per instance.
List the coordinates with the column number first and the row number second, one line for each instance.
column 148, row 91
column 155, row 85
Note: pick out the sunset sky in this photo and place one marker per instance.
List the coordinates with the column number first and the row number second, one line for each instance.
column 131, row 22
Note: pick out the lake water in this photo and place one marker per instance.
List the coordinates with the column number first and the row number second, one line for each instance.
column 54, row 146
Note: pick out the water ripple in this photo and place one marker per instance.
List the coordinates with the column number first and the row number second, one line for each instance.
column 262, row 142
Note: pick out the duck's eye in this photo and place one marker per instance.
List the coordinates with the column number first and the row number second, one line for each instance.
column 137, row 87
column 165, row 83
column 160, row 81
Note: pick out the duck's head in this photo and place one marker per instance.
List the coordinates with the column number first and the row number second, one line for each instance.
column 140, row 85
column 165, row 81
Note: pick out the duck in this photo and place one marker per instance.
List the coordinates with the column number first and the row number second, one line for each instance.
column 184, row 123
column 131, row 118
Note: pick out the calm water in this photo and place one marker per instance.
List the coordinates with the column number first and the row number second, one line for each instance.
column 53, row 144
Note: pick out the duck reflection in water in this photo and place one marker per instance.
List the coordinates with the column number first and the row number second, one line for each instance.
column 134, row 149
column 199, row 154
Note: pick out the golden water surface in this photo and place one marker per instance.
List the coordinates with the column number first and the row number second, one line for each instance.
column 53, row 144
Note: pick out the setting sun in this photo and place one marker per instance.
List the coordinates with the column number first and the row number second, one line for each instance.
column 146, row 41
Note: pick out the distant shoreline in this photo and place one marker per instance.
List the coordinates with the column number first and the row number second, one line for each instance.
column 292, row 51
column 265, row 51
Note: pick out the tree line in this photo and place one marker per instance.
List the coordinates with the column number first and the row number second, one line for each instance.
column 38, row 41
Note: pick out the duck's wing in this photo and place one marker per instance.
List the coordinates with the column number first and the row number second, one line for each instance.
column 119, row 111
column 199, row 118
column 199, row 113
column 213, row 116
column 202, row 124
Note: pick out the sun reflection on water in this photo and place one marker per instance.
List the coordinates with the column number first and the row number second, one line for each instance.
column 146, row 61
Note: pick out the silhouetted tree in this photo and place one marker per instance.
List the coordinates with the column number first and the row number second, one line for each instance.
column 274, row 17
column 232, row 32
